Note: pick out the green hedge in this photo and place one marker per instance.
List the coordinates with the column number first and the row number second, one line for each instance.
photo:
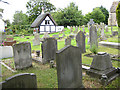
column 118, row 14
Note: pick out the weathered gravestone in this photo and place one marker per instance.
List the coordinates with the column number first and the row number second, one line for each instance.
column 69, row 67
column 67, row 41
column 102, row 65
column 91, row 22
column 49, row 48
column 83, row 28
column 102, row 31
column 93, row 36
column 71, row 29
column 106, row 28
column 24, row 80
column 36, row 40
column 80, row 39
column 76, row 29
column 46, row 35
column 22, row 55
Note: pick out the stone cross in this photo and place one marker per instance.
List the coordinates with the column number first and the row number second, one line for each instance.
column 80, row 40
column 69, row 67
column 22, row 55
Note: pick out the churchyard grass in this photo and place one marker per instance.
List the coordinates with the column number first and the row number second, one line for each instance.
column 47, row 78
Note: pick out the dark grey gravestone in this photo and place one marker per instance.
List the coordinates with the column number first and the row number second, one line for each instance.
column 93, row 36
column 49, row 48
column 25, row 80
column 67, row 41
column 102, row 65
column 22, row 55
column 80, row 39
column 69, row 67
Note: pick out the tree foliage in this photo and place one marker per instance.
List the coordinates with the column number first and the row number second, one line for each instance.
column 97, row 15
column 106, row 14
column 118, row 14
column 34, row 8
column 20, row 18
column 69, row 16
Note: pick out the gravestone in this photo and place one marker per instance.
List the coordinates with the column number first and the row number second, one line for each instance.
column 80, row 40
column 69, row 67
column 46, row 35
column 83, row 28
column 106, row 28
column 76, row 29
column 24, row 80
column 36, row 40
column 71, row 29
column 22, row 55
column 102, row 65
column 49, row 48
column 102, row 31
column 93, row 36
column 91, row 22
column 67, row 41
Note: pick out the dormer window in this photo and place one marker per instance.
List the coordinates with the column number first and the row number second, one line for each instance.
column 47, row 22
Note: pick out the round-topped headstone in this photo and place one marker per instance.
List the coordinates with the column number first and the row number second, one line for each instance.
column 101, row 53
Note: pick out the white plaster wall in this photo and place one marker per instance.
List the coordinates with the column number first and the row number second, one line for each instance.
column 6, row 51
column 59, row 28
column 2, row 26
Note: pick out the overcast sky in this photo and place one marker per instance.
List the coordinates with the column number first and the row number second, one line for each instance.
column 84, row 5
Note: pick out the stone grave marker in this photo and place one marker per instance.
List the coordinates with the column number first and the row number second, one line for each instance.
column 36, row 40
column 102, row 65
column 83, row 28
column 76, row 29
column 46, row 35
column 71, row 29
column 106, row 28
column 49, row 48
column 67, row 41
column 24, row 80
column 80, row 40
column 69, row 67
column 93, row 36
column 91, row 22
column 22, row 55
column 102, row 31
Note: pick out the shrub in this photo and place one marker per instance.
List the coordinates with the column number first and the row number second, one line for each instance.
column 118, row 14
column 94, row 49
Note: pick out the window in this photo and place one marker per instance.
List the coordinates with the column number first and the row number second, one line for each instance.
column 47, row 21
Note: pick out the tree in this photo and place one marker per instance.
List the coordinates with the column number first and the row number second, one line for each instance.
column 8, row 22
column 97, row 15
column 118, row 14
column 87, row 17
column 106, row 14
column 69, row 16
column 34, row 8
column 20, row 18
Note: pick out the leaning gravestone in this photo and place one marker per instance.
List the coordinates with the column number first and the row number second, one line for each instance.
column 67, row 41
column 49, row 48
column 22, row 55
column 102, row 65
column 93, row 36
column 80, row 39
column 36, row 40
column 24, row 80
column 69, row 67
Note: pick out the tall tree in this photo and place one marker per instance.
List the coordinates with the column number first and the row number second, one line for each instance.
column 97, row 15
column 34, row 8
column 106, row 14
column 70, row 16
column 118, row 14
column 20, row 18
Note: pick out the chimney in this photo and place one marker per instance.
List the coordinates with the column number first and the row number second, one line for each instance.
column 42, row 10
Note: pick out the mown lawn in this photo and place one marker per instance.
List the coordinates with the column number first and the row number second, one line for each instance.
column 47, row 78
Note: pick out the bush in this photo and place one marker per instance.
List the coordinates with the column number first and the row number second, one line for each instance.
column 94, row 49
column 118, row 14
